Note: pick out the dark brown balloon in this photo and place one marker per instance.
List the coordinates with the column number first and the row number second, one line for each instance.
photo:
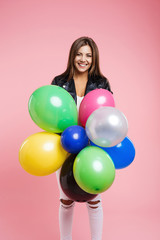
column 69, row 185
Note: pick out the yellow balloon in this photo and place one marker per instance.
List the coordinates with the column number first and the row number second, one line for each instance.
column 42, row 154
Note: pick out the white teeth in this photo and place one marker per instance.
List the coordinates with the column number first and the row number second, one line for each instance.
column 83, row 65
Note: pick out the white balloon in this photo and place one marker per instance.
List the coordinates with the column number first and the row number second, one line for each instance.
column 107, row 126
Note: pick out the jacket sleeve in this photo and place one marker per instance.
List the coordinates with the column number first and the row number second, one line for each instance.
column 106, row 85
column 54, row 81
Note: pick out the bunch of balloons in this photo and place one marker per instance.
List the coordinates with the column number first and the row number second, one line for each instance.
column 88, row 154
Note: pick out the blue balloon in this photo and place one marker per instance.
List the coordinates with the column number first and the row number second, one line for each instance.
column 122, row 154
column 74, row 139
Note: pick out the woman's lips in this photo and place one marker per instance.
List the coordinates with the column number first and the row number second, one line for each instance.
column 82, row 65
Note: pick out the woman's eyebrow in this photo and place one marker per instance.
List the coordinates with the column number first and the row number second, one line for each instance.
column 86, row 53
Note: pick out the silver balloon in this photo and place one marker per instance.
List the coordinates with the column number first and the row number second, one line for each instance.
column 106, row 127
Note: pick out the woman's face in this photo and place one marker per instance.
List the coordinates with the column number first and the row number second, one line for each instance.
column 83, row 59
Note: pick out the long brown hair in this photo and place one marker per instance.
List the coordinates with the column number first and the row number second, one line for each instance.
column 94, row 70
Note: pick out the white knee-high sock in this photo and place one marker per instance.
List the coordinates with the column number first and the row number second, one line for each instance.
column 96, row 220
column 66, row 220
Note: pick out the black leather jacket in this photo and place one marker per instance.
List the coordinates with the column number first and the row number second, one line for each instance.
column 91, row 85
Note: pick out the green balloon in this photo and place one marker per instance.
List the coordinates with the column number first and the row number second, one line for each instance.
column 52, row 108
column 93, row 170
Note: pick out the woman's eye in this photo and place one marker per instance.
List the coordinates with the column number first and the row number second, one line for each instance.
column 79, row 54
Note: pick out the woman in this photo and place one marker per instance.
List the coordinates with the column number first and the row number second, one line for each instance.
column 81, row 76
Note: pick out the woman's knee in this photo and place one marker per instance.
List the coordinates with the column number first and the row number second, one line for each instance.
column 94, row 204
column 67, row 203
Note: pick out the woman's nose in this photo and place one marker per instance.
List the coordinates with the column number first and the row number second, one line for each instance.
column 83, row 58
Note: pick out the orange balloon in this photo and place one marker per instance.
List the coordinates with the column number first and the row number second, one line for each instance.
column 42, row 154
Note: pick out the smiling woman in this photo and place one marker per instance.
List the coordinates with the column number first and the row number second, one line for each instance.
column 81, row 76
column 83, row 59
column 83, row 73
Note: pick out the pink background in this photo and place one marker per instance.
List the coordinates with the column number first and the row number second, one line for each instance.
column 34, row 45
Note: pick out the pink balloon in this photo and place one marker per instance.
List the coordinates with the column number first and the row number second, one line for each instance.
column 94, row 100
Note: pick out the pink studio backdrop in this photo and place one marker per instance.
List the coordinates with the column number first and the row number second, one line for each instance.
column 34, row 45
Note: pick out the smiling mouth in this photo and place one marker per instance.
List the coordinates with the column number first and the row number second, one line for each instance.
column 82, row 65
